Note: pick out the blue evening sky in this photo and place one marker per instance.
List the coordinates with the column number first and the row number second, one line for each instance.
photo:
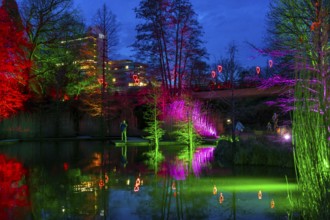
column 223, row 21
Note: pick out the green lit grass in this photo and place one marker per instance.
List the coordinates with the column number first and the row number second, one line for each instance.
column 239, row 184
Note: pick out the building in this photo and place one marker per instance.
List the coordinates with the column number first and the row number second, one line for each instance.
column 126, row 74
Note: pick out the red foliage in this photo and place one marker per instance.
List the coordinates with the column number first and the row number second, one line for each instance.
column 13, row 191
column 14, row 65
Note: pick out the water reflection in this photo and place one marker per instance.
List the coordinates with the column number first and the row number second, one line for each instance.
column 85, row 180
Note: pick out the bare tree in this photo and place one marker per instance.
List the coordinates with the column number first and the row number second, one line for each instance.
column 170, row 40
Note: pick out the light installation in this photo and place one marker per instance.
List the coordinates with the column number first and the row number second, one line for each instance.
column 178, row 169
column 219, row 68
column 215, row 190
column 202, row 157
column 270, row 63
column 258, row 70
column 136, row 78
column 259, row 194
column 221, row 198
column 213, row 74
column 178, row 111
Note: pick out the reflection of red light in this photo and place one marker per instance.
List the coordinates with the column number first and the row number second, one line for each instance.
column 258, row 70
column 65, row 166
column 136, row 188
column 101, row 183
column 213, row 74
column 106, row 178
column 136, row 78
column 14, row 193
column 219, row 68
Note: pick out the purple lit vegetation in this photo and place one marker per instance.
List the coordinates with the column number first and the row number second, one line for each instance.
column 178, row 111
column 178, row 169
column 202, row 157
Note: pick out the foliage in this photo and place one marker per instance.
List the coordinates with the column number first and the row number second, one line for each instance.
column 301, row 30
column 14, row 65
column 169, row 39
column 51, row 27
column 154, row 130
column 186, row 134
column 153, row 159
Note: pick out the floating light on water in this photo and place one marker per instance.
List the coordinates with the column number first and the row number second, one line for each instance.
column 215, row 190
column 136, row 188
column 173, row 186
column 259, row 194
column 221, row 198
column 272, row 204
column 138, row 181
column 101, row 183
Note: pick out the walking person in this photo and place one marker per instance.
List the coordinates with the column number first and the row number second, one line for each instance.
column 123, row 129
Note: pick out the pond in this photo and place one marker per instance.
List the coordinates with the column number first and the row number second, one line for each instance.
column 89, row 180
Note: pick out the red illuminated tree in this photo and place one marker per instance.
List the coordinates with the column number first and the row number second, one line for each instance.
column 13, row 64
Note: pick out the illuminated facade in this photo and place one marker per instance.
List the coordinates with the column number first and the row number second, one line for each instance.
column 126, row 74
column 120, row 74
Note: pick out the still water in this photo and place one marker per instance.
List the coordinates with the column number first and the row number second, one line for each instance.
column 90, row 180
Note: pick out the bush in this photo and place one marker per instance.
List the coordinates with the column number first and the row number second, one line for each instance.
column 260, row 152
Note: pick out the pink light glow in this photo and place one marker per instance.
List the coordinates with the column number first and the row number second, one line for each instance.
column 219, row 68
column 202, row 157
column 213, row 73
column 178, row 111
column 270, row 63
column 178, row 169
column 258, row 70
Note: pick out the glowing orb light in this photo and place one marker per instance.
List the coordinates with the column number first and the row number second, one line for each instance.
column 272, row 204
column 214, row 190
column 287, row 137
column 221, row 198
column 259, row 194
column 270, row 63
column 258, row 69
column 213, row 73
column 219, row 68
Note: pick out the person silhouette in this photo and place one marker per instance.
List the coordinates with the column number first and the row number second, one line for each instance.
column 123, row 129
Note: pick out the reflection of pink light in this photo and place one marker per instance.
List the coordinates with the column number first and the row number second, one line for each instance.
column 178, row 112
column 178, row 169
column 202, row 157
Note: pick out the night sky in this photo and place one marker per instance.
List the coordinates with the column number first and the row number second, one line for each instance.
column 223, row 22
